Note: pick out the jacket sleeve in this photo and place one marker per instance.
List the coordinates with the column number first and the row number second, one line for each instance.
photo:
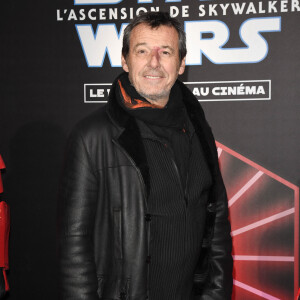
column 213, row 277
column 77, row 202
column 219, row 282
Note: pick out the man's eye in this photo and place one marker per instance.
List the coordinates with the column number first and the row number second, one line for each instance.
column 141, row 51
column 166, row 53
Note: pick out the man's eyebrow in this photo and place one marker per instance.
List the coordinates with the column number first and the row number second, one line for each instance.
column 145, row 44
column 168, row 47
column 139, row 44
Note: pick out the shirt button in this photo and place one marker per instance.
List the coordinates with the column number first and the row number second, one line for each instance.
column 148, row 217
column 148, row 259
column 211, row 207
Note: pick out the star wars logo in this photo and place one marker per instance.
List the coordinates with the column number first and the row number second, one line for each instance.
column 106, row 40
column 205, row 38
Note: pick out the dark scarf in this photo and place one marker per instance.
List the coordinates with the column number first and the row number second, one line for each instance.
column 172, row 115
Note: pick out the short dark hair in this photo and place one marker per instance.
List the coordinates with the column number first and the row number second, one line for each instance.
column 154, row 20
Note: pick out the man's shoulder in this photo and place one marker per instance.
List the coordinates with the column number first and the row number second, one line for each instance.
column 93, row 125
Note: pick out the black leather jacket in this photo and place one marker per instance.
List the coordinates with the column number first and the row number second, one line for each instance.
column 103, row 234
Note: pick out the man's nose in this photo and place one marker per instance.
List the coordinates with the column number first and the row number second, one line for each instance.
column 154, row 61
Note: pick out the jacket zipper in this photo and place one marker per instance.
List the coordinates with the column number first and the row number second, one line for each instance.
column 184, row 190
column 180, row 180
column 187, row 173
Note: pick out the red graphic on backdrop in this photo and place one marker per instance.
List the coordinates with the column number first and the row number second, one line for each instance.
column 264, row 215
column 2, row 166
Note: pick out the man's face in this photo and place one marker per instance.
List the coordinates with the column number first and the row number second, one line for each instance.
column 153, row 62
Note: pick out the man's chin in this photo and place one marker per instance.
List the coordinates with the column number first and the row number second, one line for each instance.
column 154, row 97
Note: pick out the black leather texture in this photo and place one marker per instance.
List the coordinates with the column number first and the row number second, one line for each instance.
column 102, row 236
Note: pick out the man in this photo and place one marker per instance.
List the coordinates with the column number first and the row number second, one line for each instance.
column 143, row 206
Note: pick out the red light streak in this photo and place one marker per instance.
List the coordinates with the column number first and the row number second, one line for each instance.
column 245, row 188
column 219, row 152
column 254, row 290
column 264, row 258
column 263, row 221
column 283, row 208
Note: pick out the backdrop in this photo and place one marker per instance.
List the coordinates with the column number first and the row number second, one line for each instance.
column 58, row 59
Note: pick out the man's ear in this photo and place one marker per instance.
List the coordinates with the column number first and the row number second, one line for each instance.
column 181, row 67
column 124, row 64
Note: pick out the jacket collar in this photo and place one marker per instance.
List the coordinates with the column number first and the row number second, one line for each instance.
column 203, row 130
column 130, row 137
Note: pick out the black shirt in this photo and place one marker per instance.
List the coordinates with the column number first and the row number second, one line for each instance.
column 179, row 181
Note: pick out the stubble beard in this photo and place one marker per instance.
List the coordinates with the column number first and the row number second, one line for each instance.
column 155, row 97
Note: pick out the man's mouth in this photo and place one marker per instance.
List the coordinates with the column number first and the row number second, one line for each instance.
column 153, row 77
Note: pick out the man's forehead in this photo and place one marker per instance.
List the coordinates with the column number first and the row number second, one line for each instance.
column 162, row 46
column 162, row 36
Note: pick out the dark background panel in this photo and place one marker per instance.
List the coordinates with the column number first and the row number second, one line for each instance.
column 42, row 73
